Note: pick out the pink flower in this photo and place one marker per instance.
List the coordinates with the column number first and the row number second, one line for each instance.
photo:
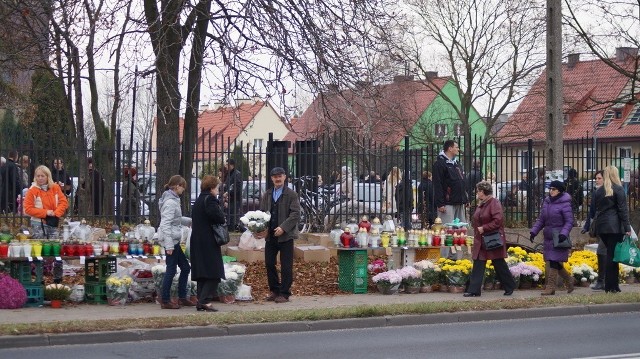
column 12, row 293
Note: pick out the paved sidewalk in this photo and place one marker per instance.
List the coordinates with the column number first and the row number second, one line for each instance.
column 146, row 310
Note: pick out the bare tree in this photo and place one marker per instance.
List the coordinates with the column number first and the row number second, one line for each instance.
column 599, row 26
column 493, row 50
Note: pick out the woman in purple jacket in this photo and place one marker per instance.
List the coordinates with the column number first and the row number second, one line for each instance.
column 555, row 215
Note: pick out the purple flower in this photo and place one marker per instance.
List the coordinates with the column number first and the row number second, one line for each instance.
column 12, row 293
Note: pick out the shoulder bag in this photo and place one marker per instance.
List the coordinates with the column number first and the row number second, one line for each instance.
column 557, row 243
column 492, row 241
column 220, row 232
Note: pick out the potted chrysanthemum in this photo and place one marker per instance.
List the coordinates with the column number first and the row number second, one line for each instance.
column 411, row 279
column 584, row 274
column 457, row 274
column 387, row 282
column 525, row 274
column 430, row 274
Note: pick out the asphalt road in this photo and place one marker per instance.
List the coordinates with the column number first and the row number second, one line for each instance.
column 587, row 336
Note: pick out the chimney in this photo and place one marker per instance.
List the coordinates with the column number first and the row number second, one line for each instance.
column 402, row 78
column 572, row 60
column 332, row 88
column 430, row 75
column 625, row 53
column 362, row 84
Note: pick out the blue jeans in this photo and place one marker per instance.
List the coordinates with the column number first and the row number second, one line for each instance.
column 176, row 259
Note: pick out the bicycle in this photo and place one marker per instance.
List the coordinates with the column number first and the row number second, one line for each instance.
column 314, row 205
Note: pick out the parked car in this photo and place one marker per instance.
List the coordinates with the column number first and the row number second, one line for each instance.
column 144, row 207
column 251, row 193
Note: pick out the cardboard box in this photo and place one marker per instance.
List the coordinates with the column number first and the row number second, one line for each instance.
column 311, row 253
column 248, row 256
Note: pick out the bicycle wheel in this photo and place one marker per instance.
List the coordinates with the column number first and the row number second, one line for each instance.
column 303, row 224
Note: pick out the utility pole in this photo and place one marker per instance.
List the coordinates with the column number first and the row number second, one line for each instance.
column 555, row 130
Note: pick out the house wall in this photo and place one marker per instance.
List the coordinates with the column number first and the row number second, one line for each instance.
column 266, row 121
column 440, row 111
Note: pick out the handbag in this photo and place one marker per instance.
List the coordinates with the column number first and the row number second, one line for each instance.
column 627, row 252
column 492, row 241
column 556, row 240
column 52, row 221
column 220, row 234
column 593, row 227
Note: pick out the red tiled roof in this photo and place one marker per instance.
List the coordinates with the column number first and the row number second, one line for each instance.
column 226, row 121
column 385, row 113
column 589, row 90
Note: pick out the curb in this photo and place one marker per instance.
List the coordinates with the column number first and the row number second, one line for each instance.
column 41, row 340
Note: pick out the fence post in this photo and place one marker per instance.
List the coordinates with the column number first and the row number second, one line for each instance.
column 408, row 188
column 530, row 174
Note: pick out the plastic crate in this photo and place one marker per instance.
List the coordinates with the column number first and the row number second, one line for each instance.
column 99, row 269
column 35, row 295
column 27, row 273
column 432, row 253
column 95, row 293
column 352, row 270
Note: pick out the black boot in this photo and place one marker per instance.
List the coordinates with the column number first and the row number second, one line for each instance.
column 599, row 284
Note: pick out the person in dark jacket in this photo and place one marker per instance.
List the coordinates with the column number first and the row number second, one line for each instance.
column 473, row 177
column 426, row 205
column 233, row 195
column 555, row 215
column 449, row 185
column 404, row 203
column 488, row 218
column 612, row 222
column 11, row 184
column 601, row 252
column 207, row 268
column 60, row 176
column 284, row 206
column 574, row 189
column 130, row 203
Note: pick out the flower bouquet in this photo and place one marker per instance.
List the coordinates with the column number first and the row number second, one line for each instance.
column 118, row 289
column 377, row 266
column 57, row 292
column 489, row 276
column 256, row 221
column 411, row 279
column 387, row 282
column 583, row 273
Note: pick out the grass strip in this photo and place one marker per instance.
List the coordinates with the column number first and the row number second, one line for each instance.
column 272, row 316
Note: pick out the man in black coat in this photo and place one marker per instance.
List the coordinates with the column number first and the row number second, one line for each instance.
column 284, row 206
column 473, row 177
column 449, row 185
column 233, row 195
column 60, row 176
column 426, row 205
column 11, row 184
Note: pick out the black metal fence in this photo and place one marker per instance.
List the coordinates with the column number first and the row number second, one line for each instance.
column 338, row 175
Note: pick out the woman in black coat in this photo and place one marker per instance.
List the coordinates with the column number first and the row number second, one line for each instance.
column 612, row 222
column 207, row 268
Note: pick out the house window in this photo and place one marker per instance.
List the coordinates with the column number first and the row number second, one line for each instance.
column 606, row 119
column 457, row 130
column 257, row 143
column 441, row 130
column 635, row 115
column 590, row 159
column 624, row 152
column 524, row 161
column 618, row 114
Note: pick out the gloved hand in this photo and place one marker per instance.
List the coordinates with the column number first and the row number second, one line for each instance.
column 562, row 238
column 532, row 237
